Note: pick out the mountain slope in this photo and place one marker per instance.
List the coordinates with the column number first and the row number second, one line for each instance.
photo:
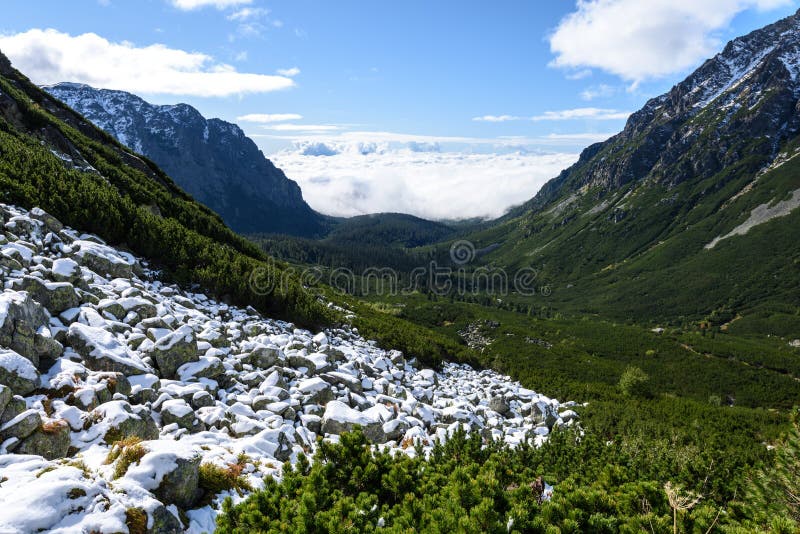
column 53, row 158
column 650, row 224
column 210, row 159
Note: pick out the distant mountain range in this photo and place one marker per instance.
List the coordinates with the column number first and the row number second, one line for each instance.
column 210, row 159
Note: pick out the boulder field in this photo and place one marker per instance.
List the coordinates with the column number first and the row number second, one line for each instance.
column 117, row 388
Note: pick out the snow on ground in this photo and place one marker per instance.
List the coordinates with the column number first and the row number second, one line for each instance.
column 95, row 349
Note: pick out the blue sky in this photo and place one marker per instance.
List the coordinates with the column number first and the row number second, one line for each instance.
column 548, row 78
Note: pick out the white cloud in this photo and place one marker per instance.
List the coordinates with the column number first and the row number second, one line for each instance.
column 291, row 73
column 302, row 127
column 598, row 114
column 189, row 5
column 247, row 13
column 576, row 137
column 580, row 74
column 598, row 91
column 370, row 175
column 574, row 141
column 496, row 118
column 269, row 117
column 638, row 40
column 50, row 56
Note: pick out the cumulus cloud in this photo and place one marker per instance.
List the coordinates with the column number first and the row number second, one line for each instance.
column 190, row 5
column 348, row 178
column 50, row 56
column 269, row 117
column 639, row 40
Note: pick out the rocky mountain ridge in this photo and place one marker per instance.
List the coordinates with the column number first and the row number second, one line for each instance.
column 742, row 102
column 210, row 159
column 687, row 213
column 118, row 392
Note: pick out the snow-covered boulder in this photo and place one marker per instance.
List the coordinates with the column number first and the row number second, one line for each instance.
column 499, row 405
column 316, row 389
column 50, row 222
column 51, row 441
column 177, row 411
column 21, row 318
column 115, row 420
column 103, row 259
column 170, row 472
column 55, row 296
column 339, row 418
column 65, row 270
column 20, row 427
column 102, row 351
column 17, row 373
column 174, row 350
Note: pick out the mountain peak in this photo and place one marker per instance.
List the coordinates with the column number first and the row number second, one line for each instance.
column 211, row 159
column 739, row 104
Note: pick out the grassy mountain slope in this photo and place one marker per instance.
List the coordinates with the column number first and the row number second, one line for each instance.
column 627, row 231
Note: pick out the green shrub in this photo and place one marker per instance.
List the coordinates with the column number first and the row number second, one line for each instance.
column 635, row 383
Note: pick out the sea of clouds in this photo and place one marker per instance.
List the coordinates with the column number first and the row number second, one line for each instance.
column 421, row 178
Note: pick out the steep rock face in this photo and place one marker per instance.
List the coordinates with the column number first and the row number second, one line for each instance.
column 211, row 159
column 742, row 102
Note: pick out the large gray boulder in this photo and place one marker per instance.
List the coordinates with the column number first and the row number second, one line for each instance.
column 65, row 270
column 174, row 350
column 21, row 426
column 103, row 259
column 13, row 408
column 55, row 296
column 499, row 405
column 317, row 390
column 262, row 356
column 177, row 411
column 122, row 421
column 164, row 522
column 101, row 351
column 21, row 318
column 51, row 440
column 340, row 418
column 204, row 367
column 349, row 381
column 17, row 373
column 5, row 397
column 180, row 485
column 50, row 222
